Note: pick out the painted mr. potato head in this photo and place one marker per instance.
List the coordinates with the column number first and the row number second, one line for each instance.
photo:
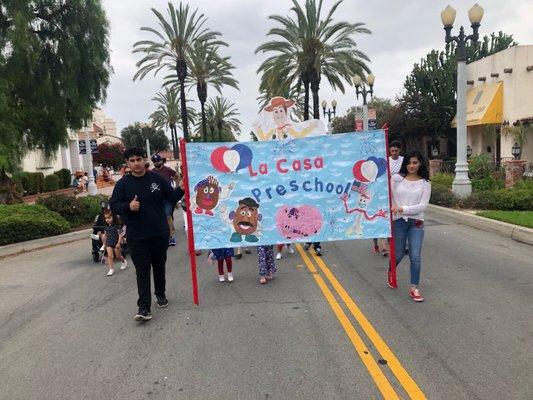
column 245, row 220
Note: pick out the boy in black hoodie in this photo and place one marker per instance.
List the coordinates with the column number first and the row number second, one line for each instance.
column 139, row 199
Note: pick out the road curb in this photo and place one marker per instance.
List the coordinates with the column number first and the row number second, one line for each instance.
column 30, row 245
column 518, row 233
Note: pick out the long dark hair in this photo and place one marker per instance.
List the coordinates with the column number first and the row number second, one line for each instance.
column 423, row 171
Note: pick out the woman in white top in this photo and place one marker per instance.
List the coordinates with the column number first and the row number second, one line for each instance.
column 411, row 190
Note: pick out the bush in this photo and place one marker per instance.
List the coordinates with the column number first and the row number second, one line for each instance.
column 443, row 179
column 93, row 204
column 442, row 196
column 35, row 183
column 69, row 207
column 488, row 183
column 20, row 178
column 64, row 176
column 20, row 222
column 51, row 183
column 480, row 167
column 526, row 184
column 502, row 199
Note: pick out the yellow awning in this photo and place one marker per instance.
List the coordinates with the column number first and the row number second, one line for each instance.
column 484, row 105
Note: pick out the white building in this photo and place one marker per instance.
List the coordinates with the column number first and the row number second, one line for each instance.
column 500, row 95
column 101, row 128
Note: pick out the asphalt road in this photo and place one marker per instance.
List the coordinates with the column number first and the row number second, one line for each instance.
column 317, row 331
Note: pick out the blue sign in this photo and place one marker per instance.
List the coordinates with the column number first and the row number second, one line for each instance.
column 321, row 188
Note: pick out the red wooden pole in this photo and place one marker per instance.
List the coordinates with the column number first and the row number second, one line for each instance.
column 190, row 232
column 391, row 276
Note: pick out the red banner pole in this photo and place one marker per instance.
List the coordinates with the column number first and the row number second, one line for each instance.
column 190, row 232
column 391, row 276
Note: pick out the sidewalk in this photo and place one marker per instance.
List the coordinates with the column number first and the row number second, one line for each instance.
column 515, row 232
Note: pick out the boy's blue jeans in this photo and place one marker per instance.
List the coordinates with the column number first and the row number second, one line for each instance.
column 413, row 231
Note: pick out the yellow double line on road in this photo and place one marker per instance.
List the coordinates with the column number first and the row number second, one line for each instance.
column 383, row 384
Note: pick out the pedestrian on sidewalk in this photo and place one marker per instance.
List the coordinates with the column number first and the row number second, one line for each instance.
column 170, row 176
column 222, row 255
column 139, row 199
column 112, row 239
column 267, row 265
column 411, row 190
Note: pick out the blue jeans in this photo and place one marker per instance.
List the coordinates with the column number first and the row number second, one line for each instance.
column 412, row 231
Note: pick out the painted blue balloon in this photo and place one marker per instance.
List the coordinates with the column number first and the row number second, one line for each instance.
column 381, row 163
column 246, row 155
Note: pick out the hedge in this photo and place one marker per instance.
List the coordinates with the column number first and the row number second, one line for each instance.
column 65, row 177
column 69, row 207
column 21, row 222
column 76, row 210
column 515, row 199
column 51, row 183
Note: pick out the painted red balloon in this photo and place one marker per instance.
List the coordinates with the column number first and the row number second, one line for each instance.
column 357, row 172
column 217, row 159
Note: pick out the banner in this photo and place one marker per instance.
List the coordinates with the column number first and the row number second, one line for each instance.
column 321, row 188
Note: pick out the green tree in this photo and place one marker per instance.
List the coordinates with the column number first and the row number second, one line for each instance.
column 167, row 115
column 430, row 89
column 222, row 120
column 110, row 155
column 173, row 47
column 207, row 68
column 307, row 47
column 136, row 135
column 346, row 123
column 54, row 68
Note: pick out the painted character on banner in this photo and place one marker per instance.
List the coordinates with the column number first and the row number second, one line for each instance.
column 208, row 194
column 298, row 222
column 244, row 220
column 364, row 199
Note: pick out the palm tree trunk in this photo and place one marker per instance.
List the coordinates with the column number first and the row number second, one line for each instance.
column 315, row 86
column 201, row 89
column 204, row 122
column 219, row 126
column 306, row 99
column 174, row 144
column 181, row 70
column 175, row 138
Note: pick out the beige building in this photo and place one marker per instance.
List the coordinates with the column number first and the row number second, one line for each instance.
column 500, row 96
column 101, row 128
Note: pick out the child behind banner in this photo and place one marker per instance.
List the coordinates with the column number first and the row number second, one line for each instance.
column 220, row 255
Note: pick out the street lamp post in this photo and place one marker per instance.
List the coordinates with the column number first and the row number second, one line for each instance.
column 461, row 184
column 92, row 189
column 330, row 111
column 360, row 89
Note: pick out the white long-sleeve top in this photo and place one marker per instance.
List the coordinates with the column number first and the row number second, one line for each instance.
column 412, row 196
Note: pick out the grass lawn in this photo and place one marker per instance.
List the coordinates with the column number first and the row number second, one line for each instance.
column 522, row 218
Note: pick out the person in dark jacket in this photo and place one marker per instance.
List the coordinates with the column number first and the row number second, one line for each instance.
column 139, row 198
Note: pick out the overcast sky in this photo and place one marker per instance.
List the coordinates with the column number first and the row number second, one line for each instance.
column 402, row 33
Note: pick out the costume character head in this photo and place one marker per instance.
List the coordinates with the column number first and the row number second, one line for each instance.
column 246, row 217
column 207, row 192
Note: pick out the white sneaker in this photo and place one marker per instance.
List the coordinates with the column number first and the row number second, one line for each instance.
column 291, row 250
column 102, row 248
column 110, row 272
column 230, row 277
column 221, row 278
column 124, row 265
column 278, row 256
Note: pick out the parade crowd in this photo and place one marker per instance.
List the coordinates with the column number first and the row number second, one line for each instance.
column 141, row 209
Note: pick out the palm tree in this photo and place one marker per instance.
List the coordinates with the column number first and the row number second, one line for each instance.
column 173, row 47
column 167, row 115
column 207, row 67
column 308, row 47
column 222, row 116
